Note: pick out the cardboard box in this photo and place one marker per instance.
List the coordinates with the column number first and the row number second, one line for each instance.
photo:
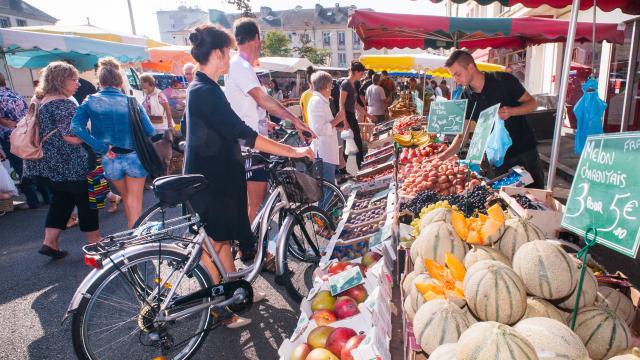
column 547, row 220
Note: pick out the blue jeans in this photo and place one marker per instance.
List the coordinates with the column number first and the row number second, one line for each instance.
column 329, row 174
column 123, row 165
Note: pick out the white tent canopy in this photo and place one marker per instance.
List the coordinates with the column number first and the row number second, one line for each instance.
column 283, row 64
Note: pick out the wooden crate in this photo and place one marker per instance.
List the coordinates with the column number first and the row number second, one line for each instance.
column 6, row 206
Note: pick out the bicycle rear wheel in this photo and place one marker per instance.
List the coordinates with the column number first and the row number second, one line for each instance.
column 115, row 319
column 307, row 239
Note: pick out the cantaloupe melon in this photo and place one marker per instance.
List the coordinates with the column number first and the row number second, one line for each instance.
column 479, row 253
column 490, row 340
column 419, row 265
column 552, row 339
column 517, row 232
column 435, row 215
column 589, row 292
column 494, row 292
column 470, row 315
column 438, row 322
column 435, row 241
column 481, row 230
column 444, row 352
column 547, row 270
column 413, row 298
column 602, row 331
column 618, row 302
column 406, row 281
column 538, row 307
column 628, row 354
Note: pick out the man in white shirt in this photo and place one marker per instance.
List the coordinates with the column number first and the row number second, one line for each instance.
column 249, row 100
column 376, row 100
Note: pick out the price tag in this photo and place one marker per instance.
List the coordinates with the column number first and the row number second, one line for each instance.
column 345, row 280
column 379, row 195
column 480, row 138
column 375, row 241
column 447, row 117
column 303, row 322
column 605, row 193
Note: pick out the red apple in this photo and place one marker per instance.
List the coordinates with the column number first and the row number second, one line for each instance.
column 317, row 338
column 338, row 338
column 369, row 259
column 321, row 354
column 300, row 352
column 337, row 268
column 357, row 293
column 353, row 343
column 345, row 307
column 323, row 317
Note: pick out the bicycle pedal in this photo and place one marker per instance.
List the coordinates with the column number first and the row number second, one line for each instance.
column 219, row 316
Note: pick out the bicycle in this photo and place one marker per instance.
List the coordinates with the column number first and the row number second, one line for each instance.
column 149, row 295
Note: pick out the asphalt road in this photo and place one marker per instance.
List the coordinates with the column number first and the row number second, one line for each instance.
column 35, row 293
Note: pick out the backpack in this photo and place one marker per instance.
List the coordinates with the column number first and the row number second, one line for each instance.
column 25, row 138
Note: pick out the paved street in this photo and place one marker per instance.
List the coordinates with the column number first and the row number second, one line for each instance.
column 35, row 293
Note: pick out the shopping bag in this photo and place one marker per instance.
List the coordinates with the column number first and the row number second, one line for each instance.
column 588, row 110
column 6, row 183
column 498, row 144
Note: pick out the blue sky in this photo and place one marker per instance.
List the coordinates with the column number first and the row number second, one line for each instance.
column 113, row 14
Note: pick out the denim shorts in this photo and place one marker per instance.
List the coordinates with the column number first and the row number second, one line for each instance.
column 123, row 165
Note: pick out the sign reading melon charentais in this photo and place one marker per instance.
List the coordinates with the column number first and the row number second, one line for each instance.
column 447, row 117
column 484, row 125
column 605, row 194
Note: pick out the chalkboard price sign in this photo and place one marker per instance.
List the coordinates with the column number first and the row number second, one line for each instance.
column 478, row 145
column 447, row 117
column 605, row 194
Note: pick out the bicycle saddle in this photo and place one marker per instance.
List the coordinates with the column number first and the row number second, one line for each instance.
column 174, row 189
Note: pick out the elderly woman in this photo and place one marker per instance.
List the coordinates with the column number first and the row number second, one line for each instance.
column 111, row 135
column 64, row 164
column 156, row 104
column 323, row 123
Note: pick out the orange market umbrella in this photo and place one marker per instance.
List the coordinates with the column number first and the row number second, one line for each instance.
column 168, row 59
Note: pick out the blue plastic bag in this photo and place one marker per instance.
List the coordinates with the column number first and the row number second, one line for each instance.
column 498, row 143
column 588, row 110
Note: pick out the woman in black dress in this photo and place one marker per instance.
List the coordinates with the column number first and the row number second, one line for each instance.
column 214, row 135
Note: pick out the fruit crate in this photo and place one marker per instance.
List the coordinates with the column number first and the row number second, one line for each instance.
column 6, row 206
column 375, row 170
column 547, row 220
column 376, row 152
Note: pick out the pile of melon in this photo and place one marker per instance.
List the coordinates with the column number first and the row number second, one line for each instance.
column 510, row 296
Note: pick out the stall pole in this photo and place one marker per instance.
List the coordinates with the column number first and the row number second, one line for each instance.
column 631, row 73
column 562, row 99
column 7, row 69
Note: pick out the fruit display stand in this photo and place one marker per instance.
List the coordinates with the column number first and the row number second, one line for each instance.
column 546, row 213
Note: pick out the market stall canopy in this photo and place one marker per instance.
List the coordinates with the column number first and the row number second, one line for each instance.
column 168, row 59
column 94, row 32
column 283, row 64
column 626, row 6
column 382, row 30
column 25, row 49
column 426, row 63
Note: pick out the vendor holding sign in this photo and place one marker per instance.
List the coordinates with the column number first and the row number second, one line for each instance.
column 485, row 89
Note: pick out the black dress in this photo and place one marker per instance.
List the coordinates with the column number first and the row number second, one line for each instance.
column 213, row 150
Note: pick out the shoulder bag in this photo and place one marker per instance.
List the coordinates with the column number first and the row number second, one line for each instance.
column 141, row 142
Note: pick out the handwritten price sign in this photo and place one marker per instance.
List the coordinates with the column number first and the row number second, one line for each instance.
column 447, row 117
column 605, row 194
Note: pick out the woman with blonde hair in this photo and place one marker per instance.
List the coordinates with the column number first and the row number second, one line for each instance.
column 64, row 164
column 156, row 104
column 111, row 135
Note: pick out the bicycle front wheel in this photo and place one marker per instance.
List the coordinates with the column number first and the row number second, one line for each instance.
column 115, row 319
column 335, row 201
column 307, row 240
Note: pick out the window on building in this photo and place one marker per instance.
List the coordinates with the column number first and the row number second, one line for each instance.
column 342, row 60
column 21, row 22
column 356, row 40
column 326, row 39
column 5, row 22
column 341, row 39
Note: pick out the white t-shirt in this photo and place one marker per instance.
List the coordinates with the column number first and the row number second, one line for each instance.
column 375, row 100
column 237, row 84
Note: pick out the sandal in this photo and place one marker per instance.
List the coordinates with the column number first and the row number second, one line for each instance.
column 114, row 204
column 51, row 252
column 73, row 221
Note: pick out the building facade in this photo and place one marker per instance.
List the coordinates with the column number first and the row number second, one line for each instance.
column 17, row 13
column 175, row 25
column 540, row 67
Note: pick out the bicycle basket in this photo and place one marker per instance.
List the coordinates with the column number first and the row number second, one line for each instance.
column 303, row 187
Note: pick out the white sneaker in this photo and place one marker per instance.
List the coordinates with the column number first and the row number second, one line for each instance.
column 237, row 322
column 258, row 296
